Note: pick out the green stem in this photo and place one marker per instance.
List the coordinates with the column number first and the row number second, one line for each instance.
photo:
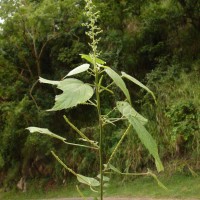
column 130, row 174
column 80, row 133
column 80, row 145
column 100, row 133
column 63, row 164
column 118, row 144
column 97, row 89
column 70, row 170
column 81, row 194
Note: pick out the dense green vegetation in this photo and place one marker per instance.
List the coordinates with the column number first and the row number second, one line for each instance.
column 156, row 41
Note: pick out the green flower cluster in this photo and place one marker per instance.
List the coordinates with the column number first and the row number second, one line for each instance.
column 93, row 30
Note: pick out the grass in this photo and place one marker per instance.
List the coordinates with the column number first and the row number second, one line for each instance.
column 179, row 186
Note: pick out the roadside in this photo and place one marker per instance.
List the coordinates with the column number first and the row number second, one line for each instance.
column 125, row 198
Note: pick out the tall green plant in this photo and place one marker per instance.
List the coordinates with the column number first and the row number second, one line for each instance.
column 76, row 92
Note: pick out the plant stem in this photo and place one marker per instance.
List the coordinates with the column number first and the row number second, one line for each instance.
column 100, row 132
column 80, row 133
column 118, row 144
column 94, row 31
column 97, row 88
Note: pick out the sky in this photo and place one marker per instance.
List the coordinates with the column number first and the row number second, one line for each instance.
column 0, row 17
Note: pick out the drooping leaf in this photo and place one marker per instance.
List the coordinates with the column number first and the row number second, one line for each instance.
column 148, row 141
column 138, row 83
column 110, row 166
column 106, row 185
column 157, row 180
column 105, row 178
column 118, row 81
column 88, row 180
column 142, row 133
column 77, row 70
column 49, row 133
column 89, row 59
column 45, row 131
column 74, row 92
column 126, row 109
column 42, row 80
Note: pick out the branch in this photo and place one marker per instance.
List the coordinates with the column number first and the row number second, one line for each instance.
column 33, row 86
column 45, row 43
column 25, row 62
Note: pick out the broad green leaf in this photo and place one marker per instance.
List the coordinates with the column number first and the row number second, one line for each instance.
column 142, row 133
column 77, row 70
column 138, row 83
column 105, row 178
column 126, row 109
column 113, row 168
column 74, row 92
column 87, row 180
column 89, row 59
column 118, row 81
column 45, row 131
